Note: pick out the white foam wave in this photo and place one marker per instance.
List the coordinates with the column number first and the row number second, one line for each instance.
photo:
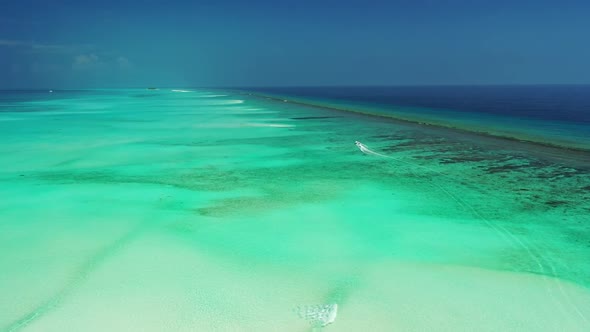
column 181, row 91
column 273, row 125
column 318, row 315
column 68, row 113
column 229, row 102
column 219, row 102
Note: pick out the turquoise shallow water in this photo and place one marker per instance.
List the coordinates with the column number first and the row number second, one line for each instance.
column 205, row 210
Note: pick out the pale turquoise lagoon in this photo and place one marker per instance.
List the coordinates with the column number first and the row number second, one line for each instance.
column 210, row 210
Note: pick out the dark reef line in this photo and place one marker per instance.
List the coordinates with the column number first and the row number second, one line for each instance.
column 550, row 148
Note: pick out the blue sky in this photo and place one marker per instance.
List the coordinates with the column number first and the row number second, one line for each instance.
column 79, row 44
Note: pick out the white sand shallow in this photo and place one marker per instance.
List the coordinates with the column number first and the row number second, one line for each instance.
column 157, row 285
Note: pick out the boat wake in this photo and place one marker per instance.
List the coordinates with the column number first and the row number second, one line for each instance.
column 364, row 149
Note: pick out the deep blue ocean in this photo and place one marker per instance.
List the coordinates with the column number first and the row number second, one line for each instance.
column 558, row 114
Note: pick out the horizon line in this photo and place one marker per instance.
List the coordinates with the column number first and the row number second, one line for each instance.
column 293, row 86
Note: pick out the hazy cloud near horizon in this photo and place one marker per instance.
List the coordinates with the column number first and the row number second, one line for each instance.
column 68, row 62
